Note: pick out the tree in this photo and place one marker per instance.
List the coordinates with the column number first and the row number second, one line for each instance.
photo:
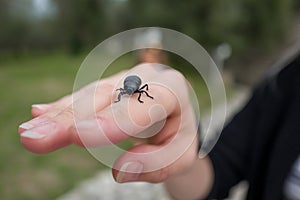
column 81, row 23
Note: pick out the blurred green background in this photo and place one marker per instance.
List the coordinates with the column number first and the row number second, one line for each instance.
column 43, row 42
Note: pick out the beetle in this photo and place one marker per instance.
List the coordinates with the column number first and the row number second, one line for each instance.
column 131, row 86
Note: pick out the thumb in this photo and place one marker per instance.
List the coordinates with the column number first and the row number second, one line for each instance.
column 154, row 163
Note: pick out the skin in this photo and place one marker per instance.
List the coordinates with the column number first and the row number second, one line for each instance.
column 186, row 177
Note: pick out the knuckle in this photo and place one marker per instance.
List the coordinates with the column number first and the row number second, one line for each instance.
column 160, row 175
column 67, row 113
column 178, row 83
column 174, row 74
column 65, row 117
column 64, row 101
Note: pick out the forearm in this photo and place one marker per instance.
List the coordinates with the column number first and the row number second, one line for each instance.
column 193, row 184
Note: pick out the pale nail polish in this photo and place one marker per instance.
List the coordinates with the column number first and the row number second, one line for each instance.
column 40, row 106
column 38, row 120
column 129, row 171
column 38, row 132
column 32, row 135
column 26, row 126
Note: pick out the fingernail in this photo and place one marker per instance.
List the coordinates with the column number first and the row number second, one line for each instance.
column 39, row 132
column 26, row 126
column 40, row 106
column 38, row 120
column 33, row 123
column 32, row 135
column 129, row 171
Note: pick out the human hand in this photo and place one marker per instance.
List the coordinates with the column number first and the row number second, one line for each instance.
column 169, row 152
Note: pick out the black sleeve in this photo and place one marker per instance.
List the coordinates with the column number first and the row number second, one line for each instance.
column 230, row 154
column 243, row 145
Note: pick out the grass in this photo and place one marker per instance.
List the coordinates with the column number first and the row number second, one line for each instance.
column 36, row 79
column 25, row 81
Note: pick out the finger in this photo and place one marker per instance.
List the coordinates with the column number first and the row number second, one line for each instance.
column 57, row 106
column 154, row 163
column 39, row 109
column 126, row 118
column 44, row 112
column 50, row 131
column 176, row 147
column 45, row 138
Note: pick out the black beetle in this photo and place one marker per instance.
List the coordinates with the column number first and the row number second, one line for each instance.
column 131, row 86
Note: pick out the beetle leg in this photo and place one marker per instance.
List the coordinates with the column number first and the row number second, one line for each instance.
column 119, row 98
column 119, row 95
column 139, row 98
column 140, row 94
column 144, row 86
column 146, row 94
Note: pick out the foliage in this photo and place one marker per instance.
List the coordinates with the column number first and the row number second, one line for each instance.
column 243, row 24
column 82, row 24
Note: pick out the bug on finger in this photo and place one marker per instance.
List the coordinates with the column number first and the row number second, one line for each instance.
column 132, row 85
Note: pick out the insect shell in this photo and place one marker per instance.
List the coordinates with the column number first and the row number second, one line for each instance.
column 132, row 84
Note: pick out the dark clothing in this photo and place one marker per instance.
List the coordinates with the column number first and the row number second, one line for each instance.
column 262, row 141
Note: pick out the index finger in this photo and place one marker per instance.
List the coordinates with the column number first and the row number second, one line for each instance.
column 129, row 117
column 55, row 128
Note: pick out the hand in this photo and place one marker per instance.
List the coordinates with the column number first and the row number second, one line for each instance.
column 73, row 120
